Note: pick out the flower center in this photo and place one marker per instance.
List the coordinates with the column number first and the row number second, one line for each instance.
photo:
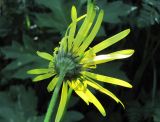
column 67, row 62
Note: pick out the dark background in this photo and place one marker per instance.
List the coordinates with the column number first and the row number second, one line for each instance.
column 30, row 25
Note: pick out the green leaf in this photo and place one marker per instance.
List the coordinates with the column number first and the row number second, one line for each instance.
column 57, row 19
column 54, row 5
column 13, row 51
column 19, row 105
column 23, row 58
column 114, row 11
column 59, row 16
column 46, row 20
column 149, row 13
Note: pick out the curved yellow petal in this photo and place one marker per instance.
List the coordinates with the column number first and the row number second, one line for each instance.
column 95, row 101
column 110, row 41
column 109, row 57
column 84, row 27
column 81, row 17
column 74, row 13
column 103, row 90
column 42, row 77
column 38, row 71
column 79, row 89
column 77, row 20
column 93, row 33
column 72, row 27
column 83, row 96
column 45, row 55
column 107, row 79
column 77, row 85
column 62, row 103
column 52, row 84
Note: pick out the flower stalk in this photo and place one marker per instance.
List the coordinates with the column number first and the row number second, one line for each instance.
column 54, row 97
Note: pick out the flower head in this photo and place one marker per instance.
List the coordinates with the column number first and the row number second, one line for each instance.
column 73, row 60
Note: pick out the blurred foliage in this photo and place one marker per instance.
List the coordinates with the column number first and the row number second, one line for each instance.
column 116, row 11
column 149, row 14
column 145, row 109
column 30, row 25
column 23, row 58
column 18, row 105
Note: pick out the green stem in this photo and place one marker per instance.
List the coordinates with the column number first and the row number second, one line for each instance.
column 54, row 97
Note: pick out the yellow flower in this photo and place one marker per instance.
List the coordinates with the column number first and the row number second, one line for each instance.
column 72, row 61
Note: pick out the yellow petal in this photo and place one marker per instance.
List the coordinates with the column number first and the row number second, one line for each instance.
column 95, row 101
column 81, row 17
column 79, row 90
column 109, row 57
column 38, row 71
column 83, row 96
column 62, row 103
column 45, row 55
column 110, row 41
column 93, row 33
column 52, row 84
column 73, row 27
column 84, row 27
column 107, row 79
column 42, row 77
column 78, row 19
column 103, row 90
column 63, row 44
column 74, row 13
column 69, row 83
column 89, row 55
column 77, row 85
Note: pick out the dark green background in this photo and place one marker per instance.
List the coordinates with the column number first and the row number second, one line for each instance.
column 30, row 25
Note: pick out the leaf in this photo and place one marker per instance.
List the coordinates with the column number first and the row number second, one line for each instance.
column 23, row 58
column 59, row 16
column 45, row 20
column 19, row 105
column 149, row 13
column 57, row 19
column 54, row 5
column 114, row 11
